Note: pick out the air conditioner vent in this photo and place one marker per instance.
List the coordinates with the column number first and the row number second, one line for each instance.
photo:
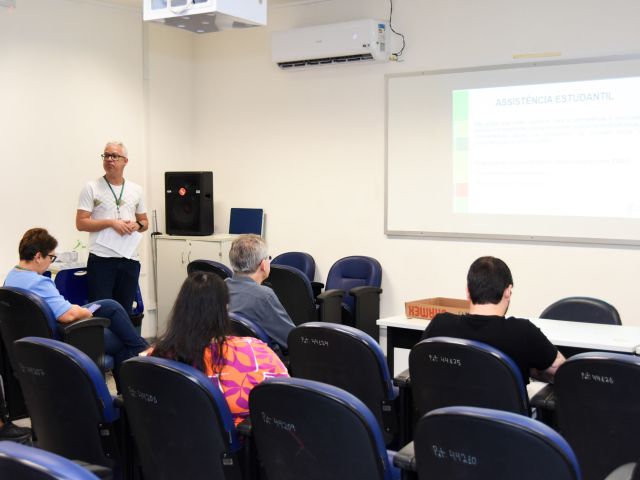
column 326, row 61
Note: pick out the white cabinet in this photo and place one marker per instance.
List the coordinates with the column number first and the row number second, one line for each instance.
column 173, row 254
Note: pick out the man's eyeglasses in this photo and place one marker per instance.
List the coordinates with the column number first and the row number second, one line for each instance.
column 52, row 257
column 111, row 156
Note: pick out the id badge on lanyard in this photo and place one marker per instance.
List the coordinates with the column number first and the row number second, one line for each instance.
column 118, row 200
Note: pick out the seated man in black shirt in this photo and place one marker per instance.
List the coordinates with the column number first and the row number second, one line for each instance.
column 489, row 288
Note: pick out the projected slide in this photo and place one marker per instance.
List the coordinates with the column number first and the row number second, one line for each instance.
column 563, row 149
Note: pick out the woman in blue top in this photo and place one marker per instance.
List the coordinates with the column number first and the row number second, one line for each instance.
column 37, row 253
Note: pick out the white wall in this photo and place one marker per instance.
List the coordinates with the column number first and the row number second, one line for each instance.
column 309, row 146
column 66, row 87
column 70, row 79
column 73, row 75
column 170, row 105
column 169, row 119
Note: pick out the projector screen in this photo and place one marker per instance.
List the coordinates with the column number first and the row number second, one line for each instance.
column 540, row 151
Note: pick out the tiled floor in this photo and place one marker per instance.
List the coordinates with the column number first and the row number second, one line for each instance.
column 25, row 422
column 111, row 383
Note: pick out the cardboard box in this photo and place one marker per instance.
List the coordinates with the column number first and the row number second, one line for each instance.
column 430, row 307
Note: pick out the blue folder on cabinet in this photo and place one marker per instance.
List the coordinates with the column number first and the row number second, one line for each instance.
column 246, row 220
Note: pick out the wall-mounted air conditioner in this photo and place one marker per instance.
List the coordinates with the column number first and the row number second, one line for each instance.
column 336, row 43
column 204, row 16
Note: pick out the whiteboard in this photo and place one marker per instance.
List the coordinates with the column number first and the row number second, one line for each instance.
column 586, row 189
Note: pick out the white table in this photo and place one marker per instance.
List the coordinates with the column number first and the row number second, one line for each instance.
column 403, row 332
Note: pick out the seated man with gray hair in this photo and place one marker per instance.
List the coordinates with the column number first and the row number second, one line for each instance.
column 251, row 266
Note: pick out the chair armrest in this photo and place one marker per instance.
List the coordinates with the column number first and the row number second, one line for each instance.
column 543, row 406
column 330, row 302
column 249, row 458
column 403, row 379
column 390, row 412
column 365, row 290
column 406, row 458
column 405, row 406
column 87, row 336
column 545, row 399
column 244, row 428
column 316, row 288
column 329, row 294
column 367, row 309
column 67, row 328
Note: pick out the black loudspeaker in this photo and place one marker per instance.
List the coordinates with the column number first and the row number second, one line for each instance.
column 188, row 203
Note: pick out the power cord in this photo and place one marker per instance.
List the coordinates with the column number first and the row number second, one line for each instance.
column 395, row 56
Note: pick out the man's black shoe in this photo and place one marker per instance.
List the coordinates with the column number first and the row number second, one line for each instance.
column 9, row 431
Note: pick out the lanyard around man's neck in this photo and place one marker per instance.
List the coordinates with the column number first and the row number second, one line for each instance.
column 117, row 199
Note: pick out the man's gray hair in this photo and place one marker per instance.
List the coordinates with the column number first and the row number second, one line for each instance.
column 118, row 143
column 247, row 251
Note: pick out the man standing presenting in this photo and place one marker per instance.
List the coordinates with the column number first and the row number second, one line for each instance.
column 489, row 288
column 110, row 202
column 247, row 295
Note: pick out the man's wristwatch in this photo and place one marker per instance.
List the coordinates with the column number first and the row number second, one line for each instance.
column 140, row 224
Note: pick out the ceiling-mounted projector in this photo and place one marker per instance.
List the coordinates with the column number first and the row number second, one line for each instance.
column 204, row 16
